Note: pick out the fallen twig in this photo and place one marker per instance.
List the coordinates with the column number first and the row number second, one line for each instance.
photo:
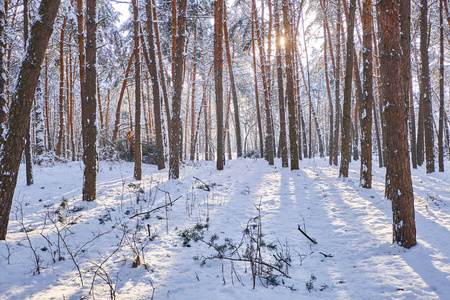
column 326, row 255
column 312, row 240
column 159, row 207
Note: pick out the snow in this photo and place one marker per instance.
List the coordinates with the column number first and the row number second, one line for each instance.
column 353, row 259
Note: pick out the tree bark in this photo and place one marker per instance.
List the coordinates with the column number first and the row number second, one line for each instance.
column 218, row 77
column 20, row 109
column 425, row 91
column 89, row 107
column 28, row 159
column 289, row 54
column 346, row 108
column 3, row 4
column 155, row 87
column 367, row 100
column 281, row 100
column 258, row 112
column 137, row 95
column 398, row 174
column 122, row 92
column 337, row 85
column 59, row 145
column 441, row 88
column 237, row 123
column 175, row 129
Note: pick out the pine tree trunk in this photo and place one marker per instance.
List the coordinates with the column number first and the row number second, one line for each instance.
column 137, row 94
column 281, row 100
column 289, row 56
column 346, row 108
column 269, row 147
column 258, row 112
column 89, row 107
column 155, row 87
column 28, row 159
column 337, row 85
column 330, row 99
column 3, row 3
column 59, row 145
column 194, row 71
column 20, row 109
column 47, row 108
column 122, row 92
column 237, row 123
column 367, row 100
column 398, row 174
column 426, row 88
column 218, row 77
column 441, row 87
column 175, row 129
column 161, row 69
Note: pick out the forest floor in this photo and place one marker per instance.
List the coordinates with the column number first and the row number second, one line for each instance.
column 207, row 243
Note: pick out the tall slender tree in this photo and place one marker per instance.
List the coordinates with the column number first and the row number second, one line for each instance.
column 441, row 88
column 367, row 100
column 137, row 94
column 218, row 77
column 28, row 159
column 175, row 128
column 281, row 101
column 20, row 108
column 425, row 88
column 398, row 173
column 89, row 106
column 237, row 122
column 155, row 87
column 289, row 57
column 2, row 68
column 346, row 108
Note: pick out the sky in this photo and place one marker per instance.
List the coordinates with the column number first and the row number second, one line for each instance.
column 122, row 7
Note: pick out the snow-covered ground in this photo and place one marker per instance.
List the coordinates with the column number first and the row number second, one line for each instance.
column 97, row 244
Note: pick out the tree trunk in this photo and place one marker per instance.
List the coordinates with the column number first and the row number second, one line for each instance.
column 20, row 109
column 89, row 106
column 425, row 91
column 367, row 100
column 218, row 77
column 441, row 88
column 330, row 99
column 398, row 174
column 194, row 71
column 346, row 108
column 161, row 69
column 258, row 112
column 3, row 3
column 155, row 88
column 281, row 100
column 337, row 84
column 28, row 159
column 59, row 145
column 289, row 55
column 175, row 129
column 237, row 123
column 137, row 95
column 122, row 92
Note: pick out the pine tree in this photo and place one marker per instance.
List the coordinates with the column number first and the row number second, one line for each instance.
column 20, row 109
column 89, row 107
column 398, row 173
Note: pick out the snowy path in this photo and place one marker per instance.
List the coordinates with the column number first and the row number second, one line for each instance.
column 352, row 226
